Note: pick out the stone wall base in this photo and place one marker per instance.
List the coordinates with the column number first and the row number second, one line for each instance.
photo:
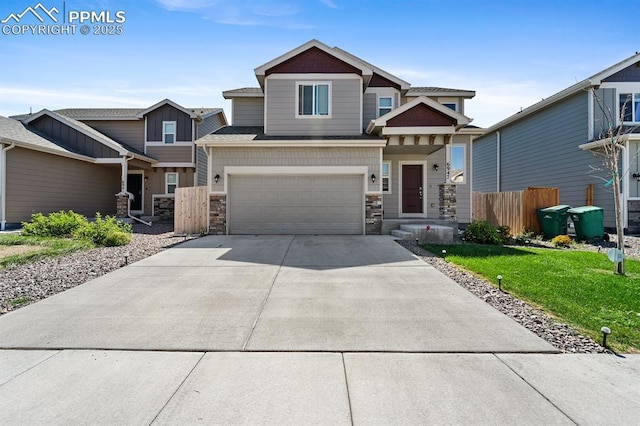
column 447, row 201
column 218, row 214
column 373, row 214
column 164, row 207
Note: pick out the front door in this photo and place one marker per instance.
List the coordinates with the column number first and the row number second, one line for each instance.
column 134, row 186
column 412, row 188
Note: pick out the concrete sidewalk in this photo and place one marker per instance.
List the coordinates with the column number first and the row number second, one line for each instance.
column 293, row 330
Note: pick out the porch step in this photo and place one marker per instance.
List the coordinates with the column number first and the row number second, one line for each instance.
column 403, row 235
column 430, row 233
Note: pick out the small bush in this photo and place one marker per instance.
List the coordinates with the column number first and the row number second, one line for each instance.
column 60, row 224
column 504, row 231
column 98, row 231
column 562, row 241
column 116, row 238
column 481, row 232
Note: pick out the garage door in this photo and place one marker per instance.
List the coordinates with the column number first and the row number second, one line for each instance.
column 307, row 204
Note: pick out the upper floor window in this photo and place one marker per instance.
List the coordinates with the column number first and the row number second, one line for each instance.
column 451, row 105
column 171, row 182
column 456, row 166
column 386, row 176
column 314, row 99
column 630, row 107
column 385, row 105
column 168, row 131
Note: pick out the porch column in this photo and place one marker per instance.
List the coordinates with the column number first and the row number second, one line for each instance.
column 447, row 198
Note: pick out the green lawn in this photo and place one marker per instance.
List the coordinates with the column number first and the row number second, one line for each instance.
column 49, row 247
column 577, row 287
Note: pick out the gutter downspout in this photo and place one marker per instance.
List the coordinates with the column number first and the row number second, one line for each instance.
column 498, row 160
column 3, row 186
column 123, row 189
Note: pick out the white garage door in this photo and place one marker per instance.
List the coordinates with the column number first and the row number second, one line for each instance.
column 307, row 204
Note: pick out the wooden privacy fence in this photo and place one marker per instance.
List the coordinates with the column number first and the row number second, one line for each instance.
column 191, row 210
column 516, row 209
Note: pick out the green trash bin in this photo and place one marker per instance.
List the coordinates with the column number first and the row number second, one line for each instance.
column 588, row 222
column 553, row 220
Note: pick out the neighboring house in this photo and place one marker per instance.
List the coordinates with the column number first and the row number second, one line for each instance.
column 554, row 143
column 95, row 160
column 329, row 143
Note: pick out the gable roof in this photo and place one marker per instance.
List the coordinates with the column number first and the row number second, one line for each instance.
column 79, row 126
column 164, row 102
column 593, row 81
column 403, row 84
column 364, row 68
column 13, row 131
column 440, row 91
column 380, row 122
column 243, row 92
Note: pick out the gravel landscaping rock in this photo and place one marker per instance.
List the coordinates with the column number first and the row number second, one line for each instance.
column 29, row 283
column 560, row 335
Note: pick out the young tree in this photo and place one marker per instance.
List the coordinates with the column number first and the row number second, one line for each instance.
column 613, row 138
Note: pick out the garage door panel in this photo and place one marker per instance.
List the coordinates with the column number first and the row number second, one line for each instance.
column 310, row 204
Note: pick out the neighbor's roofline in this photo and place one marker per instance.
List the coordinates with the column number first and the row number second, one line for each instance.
column 593, row 81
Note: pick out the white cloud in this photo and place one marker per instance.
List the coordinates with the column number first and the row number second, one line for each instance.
column 329, row 3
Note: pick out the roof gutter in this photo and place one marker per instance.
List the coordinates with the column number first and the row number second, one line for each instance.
column 3, row 184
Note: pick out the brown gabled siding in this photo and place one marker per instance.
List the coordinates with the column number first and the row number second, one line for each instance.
column 313, row 60
column 71, row 138
column 379, row 81
column 45, row 183
column 129, row 132
column 421, row 115
column 168, row 113
column 171, row 153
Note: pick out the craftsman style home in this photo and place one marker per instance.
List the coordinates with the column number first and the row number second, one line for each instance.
column 328, row 143
column 556, row 143
column 114, row 161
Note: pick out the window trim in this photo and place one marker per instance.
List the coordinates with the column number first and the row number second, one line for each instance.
column 635, row 112
column 313, row 83
column 391, row 108
column 166, row 182
column 464, row 163
column 164, row 132
column 387, row 176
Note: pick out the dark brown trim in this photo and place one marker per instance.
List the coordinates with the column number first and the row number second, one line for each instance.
column 421, row 115
column 379, row 81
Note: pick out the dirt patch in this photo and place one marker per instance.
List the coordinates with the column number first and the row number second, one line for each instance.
column 17, row 249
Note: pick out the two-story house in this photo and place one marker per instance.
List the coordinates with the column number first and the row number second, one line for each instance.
column 110, row 160
column 329, row 143
column 556, row 142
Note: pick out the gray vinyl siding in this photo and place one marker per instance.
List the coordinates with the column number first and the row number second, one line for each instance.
column 209, row 125
column 72, row 139
column 369, row 109
column 299, row 156
column 169, row 113
column 129, row 132
column 604, row 111
column 248, row 111
column 45, row 183
column 346, row 109
column 485, row 163
column 171, row 153
column 201, row 166
column 542, row 150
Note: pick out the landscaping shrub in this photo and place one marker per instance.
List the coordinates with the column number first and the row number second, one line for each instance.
column 99, row 231
column 481, row 232
column 59, row 224
column 504, row 231
column 562, row 241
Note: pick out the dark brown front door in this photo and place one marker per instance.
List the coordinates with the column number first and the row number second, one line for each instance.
column 412, row 189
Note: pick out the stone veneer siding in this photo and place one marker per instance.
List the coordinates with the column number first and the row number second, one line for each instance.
column 373, row 214
column 634, row 215
column 447, row 199
column 122, row 204
column 164, row 207
column 218, row 214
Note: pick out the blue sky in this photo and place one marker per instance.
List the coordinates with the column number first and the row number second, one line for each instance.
column 512, row 53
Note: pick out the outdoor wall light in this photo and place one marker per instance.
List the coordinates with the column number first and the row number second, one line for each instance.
column 436, row 167
column 146, row 178
column 216, row 178
column 373, row 178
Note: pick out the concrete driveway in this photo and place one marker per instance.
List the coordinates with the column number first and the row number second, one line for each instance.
column 293, row 330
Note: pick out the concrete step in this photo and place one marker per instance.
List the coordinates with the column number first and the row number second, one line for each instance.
column 403, row 235
column 430, row 233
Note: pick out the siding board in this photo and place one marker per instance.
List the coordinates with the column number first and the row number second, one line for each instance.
column 168, row 113
column 128, row 132
column 248, row 112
